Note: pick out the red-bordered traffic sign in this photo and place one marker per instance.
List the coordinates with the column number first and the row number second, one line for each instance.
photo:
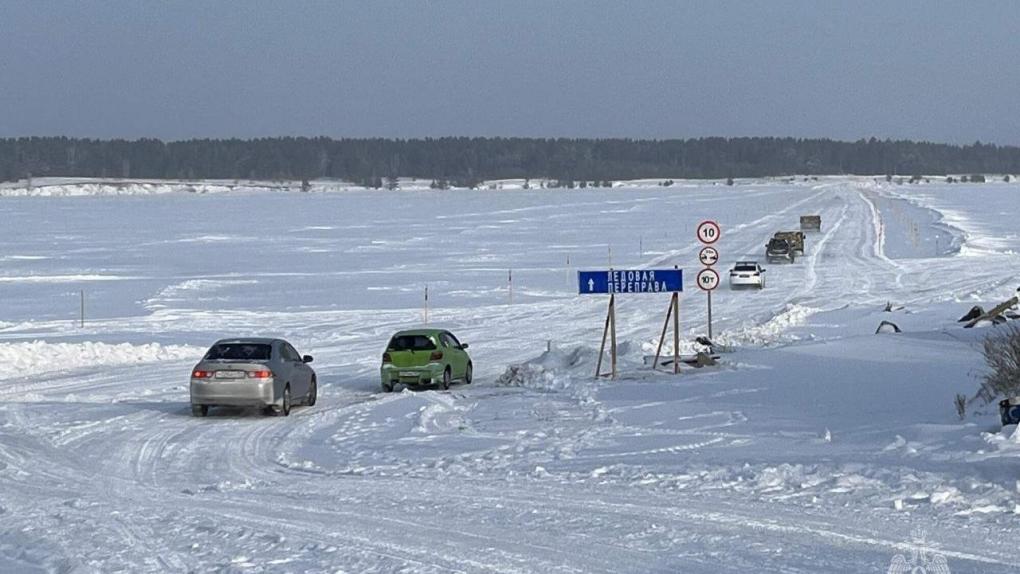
column 709, row 256
column 708, row 232
column 707, row 279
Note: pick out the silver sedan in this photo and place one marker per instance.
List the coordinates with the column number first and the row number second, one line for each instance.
column 266, row 373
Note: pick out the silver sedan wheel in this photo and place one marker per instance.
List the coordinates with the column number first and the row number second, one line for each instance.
column 285, row 409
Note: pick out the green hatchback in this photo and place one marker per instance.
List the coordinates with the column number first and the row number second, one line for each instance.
column 425, row 357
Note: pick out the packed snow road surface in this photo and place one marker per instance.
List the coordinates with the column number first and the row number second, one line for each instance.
column 816, row 446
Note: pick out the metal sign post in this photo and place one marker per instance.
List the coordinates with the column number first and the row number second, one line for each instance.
column 708, row 233
column 708, row 280
column 618, row 281
column 709, row 315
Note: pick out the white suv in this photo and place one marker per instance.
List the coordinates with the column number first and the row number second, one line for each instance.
column 747, row 274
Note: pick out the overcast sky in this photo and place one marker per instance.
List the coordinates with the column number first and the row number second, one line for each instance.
column 942, row 71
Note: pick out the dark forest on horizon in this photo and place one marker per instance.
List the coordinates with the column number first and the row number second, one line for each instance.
column 465, row 161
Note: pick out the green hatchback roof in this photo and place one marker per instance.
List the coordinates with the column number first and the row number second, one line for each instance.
column 426, row 332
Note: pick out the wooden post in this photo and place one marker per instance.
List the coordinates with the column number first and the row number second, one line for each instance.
column 608, row 330
column 674, row 312
column 995, row 312
column 662, row 336
column 510, row 284
column 676, row 333
column 612, row 329
column 602, row 347
column 426, row 304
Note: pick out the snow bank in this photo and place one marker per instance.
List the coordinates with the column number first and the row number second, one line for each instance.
column 774, row 331
column 80, row 187
column 21, row 359
column 115, row 188
column 550, row 371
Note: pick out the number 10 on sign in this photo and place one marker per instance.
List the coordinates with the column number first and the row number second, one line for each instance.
column 708, row 232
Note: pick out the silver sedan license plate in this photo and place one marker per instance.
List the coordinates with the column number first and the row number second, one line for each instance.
column 229, row 374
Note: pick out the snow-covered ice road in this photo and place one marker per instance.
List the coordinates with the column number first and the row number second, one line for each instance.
column 816, row 447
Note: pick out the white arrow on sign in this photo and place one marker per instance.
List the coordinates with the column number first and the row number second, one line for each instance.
column 591, row 285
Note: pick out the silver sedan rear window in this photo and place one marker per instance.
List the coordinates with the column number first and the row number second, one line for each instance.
column 239, row 352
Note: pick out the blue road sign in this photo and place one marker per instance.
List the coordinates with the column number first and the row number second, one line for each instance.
column 630, row 281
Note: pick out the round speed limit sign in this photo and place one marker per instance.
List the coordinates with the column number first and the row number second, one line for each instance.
column 708, row 279
column 708, row 232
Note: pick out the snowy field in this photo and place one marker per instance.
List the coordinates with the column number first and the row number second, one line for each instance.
column 815, row 446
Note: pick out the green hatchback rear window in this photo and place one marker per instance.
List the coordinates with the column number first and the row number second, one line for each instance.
column 411, row 343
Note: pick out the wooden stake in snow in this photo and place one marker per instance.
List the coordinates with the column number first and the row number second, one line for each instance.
column 995, row 312
column 426, row 304
column 608, row 331
column 674, row 313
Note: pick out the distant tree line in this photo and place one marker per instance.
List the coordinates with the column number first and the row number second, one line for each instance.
column 463, row 161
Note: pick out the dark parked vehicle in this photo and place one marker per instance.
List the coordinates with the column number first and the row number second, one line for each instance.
column 779, row 250
column 794, row 238
column 1009, row 411
column 811, row 222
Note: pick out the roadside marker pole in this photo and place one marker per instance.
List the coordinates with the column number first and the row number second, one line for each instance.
column 426, row 304
column 82, row 308
column 510, row 284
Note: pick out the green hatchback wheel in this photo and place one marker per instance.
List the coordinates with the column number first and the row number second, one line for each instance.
column 468, row 374
column 445, row 382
